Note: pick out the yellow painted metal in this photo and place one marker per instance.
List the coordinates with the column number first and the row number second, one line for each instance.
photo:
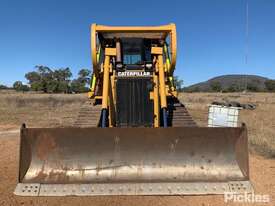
column 98, row 54
column 162, row 86
column 172, row 85
column 174, row 93
column 151, row 94
column 173, row 46
column 106, row 78
column 113, row 86
column 98, row 97
column 139, row 29
column 110, row 51
column 167, row 60
column 156, row 50
column 92, row 87
column 93, row 47
column 156, row 100
column 112, row 98
column 156, row 65
column 167, row 30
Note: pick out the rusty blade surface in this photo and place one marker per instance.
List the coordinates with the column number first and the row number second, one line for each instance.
column 133, row 155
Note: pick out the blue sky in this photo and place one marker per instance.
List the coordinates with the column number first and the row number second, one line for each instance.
column 211, row 34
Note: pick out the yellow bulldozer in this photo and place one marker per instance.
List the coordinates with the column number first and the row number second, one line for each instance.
column 133, row 136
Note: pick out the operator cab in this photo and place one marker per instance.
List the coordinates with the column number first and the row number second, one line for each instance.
column 135, row 54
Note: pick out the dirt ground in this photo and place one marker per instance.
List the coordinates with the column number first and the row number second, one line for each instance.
column 262, row 167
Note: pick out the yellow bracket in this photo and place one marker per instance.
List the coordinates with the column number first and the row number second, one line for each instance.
column 156, row 50
column 110, row 51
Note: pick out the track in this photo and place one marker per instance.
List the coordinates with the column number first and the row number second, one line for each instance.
column 88, row 116
column 178, row 116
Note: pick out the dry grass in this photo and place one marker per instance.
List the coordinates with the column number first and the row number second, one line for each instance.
column 260, row 122
column 53, row 110
column 39, row 110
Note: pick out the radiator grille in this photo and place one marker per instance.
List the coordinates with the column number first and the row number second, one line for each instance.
column 134, row 107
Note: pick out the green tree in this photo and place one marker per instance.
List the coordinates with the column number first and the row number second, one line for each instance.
column 48, row 80
column 252, row 87
column 270, row 85
column 19, row 86
column 62, row 80
column 84, row 75
column 178, row 83
column 33, row 77
column 3, row 86
column 192, row 89
column 80, row 84
column 233, row 88
column 40, row 79
column 216, row 86
column 25, row 88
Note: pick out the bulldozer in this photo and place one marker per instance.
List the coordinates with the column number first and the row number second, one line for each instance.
column 133, row 136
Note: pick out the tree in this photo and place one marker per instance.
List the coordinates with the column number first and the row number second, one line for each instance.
column 233, row 88
column 3, row 86
column 253, row 87
column 270, row 85
column 33, row 77
column 19, row 86
column 62, row 79
column 25, row 88
column 80, row 84
column 192, row 89
column 39, row 79
column 48, row 80
column 216, row 86
column 178, row 83
column 84, row 75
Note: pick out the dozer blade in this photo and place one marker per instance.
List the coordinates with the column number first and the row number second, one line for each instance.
column 133, row 161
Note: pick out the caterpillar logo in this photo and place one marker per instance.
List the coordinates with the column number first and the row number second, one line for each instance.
column 134, row 74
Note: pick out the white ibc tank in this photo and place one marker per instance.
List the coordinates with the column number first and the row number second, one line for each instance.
column 222, row 116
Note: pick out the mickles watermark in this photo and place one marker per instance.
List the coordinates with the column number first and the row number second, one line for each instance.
column 246, row 197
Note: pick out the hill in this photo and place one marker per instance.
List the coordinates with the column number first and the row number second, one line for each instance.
column 230, row 83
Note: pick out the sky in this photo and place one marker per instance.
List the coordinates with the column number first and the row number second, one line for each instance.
column 211, row 34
